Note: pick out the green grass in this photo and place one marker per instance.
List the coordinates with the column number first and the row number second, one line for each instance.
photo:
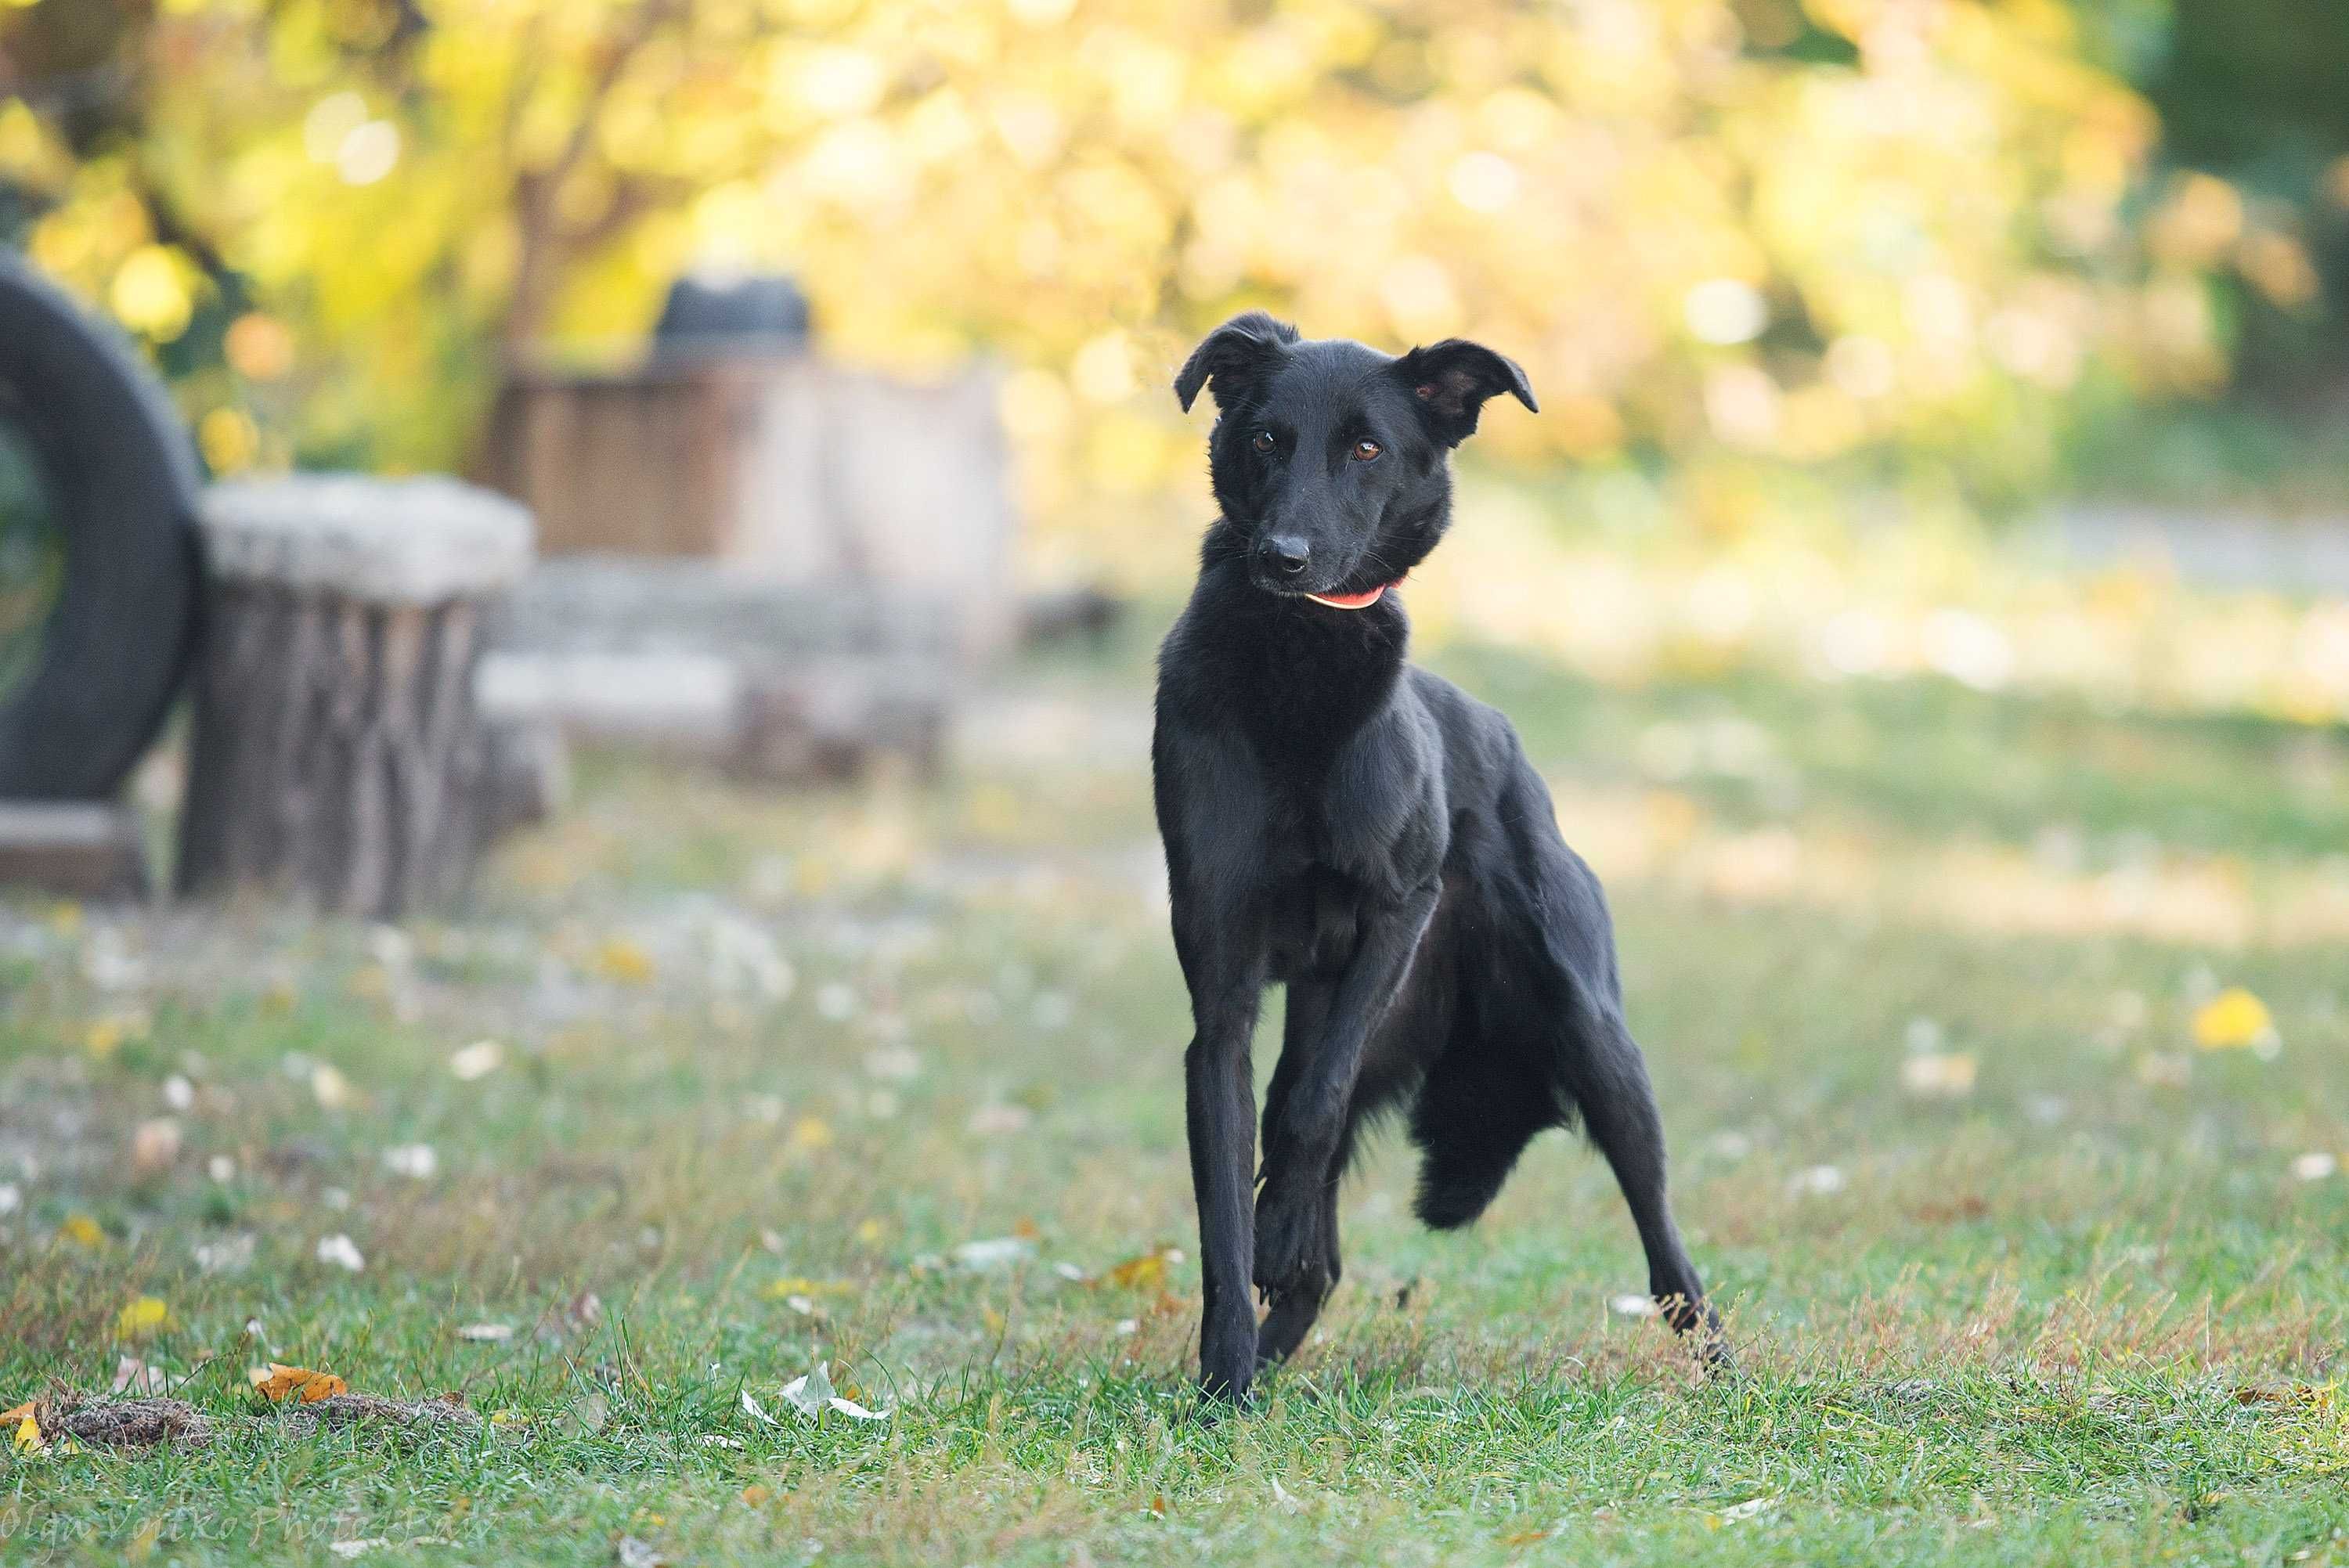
column 2084, row 1313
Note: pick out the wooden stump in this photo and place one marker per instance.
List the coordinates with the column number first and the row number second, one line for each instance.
column 79, row 849
column 339, row 754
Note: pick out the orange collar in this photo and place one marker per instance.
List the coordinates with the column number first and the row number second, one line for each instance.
column 1355, row 601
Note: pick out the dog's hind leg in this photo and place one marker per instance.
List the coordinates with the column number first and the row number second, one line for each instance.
column 1608, row 1080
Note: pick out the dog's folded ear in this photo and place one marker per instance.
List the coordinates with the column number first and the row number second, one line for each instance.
column 1241, row 348
column 1453, row 378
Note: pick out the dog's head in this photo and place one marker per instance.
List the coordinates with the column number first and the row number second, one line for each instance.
column 1331, row 459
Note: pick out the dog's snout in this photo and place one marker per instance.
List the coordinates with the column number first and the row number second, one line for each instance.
column 1286, row 553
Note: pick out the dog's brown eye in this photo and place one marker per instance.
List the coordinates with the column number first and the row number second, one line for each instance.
column 1365, row 450
column 1262, row 442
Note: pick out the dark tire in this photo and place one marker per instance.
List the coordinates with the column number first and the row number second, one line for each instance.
column 122, row 481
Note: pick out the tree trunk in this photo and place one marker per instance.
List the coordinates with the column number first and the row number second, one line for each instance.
column 339, row 754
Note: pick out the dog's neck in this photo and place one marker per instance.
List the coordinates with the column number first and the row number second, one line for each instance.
column 1299, row 677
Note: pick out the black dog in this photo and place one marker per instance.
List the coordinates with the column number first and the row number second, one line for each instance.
column 1364, row 833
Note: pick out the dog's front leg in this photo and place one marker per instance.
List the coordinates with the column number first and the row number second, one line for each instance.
column 1225, row 971
column 1290, row 1252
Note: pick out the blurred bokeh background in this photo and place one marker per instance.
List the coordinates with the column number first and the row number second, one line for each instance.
column 1779, row 269
column 1925, row 589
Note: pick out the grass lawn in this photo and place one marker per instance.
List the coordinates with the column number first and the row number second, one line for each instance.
column 719, row 1087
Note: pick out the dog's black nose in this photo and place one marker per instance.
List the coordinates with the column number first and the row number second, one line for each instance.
column 1287, row 553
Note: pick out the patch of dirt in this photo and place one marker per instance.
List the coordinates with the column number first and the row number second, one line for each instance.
column 100, row 1422
column 97, row 1420
column 445, row 1414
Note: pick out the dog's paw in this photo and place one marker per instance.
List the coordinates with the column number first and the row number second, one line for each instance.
column 1698, row 1324
column 1227, row 1355
column 1291, row 1254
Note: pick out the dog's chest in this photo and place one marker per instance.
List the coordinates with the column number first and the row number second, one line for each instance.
column 1314, row 924
column 1361, row 826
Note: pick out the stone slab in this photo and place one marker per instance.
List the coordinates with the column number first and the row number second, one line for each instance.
column 378, row 540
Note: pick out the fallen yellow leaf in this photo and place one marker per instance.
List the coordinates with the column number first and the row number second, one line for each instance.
column 142, row 1318
column 28, row 1436
column 82, row 1231
column 1946, row 1074
column 625, row 960
column 2233, row 1020
column 1145, row 1272
column 797, row 1285
column 297, row 1383
column 22, row 1412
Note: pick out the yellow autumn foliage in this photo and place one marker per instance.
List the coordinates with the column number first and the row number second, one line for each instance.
column 1702, row 240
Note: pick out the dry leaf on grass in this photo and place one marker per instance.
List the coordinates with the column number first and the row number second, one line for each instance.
column 155, row 1145
column 813, row 1394
column 997, row 1119
column 342, row 1252
column 1752, row 1508
column 1147, row 1272
column 625, row 960
column 2237, row 1020
column 1948, row 1075
column 995, row 1253
column 332, row 1090
column 1818, row 1181
column 142, row 1318
column 478, row 1060
column 417, row 1161
column 280, row 1383
column 134, row 1376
